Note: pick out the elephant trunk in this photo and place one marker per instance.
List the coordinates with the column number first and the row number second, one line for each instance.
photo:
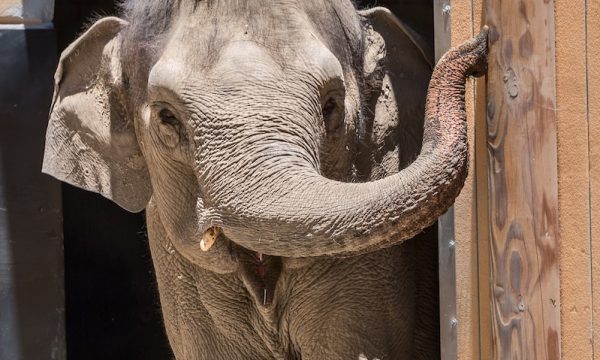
column 304, row 214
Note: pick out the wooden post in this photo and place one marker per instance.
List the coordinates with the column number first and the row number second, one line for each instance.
column 522, row 171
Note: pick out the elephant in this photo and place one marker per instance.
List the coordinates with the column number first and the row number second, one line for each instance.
column 279, row 151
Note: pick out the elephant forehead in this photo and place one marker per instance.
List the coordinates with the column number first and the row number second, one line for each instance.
column 245, row 62
column 201, row 30
column 204, row 31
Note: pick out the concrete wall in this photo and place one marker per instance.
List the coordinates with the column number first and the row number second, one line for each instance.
column 26, row 11
column 578, row 111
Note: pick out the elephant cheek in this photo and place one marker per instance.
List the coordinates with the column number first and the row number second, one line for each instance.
column 220, row 259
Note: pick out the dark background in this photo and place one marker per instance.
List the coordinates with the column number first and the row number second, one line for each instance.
column 31, row 243
column 111, row 297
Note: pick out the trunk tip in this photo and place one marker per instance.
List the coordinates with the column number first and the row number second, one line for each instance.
column 476, row 53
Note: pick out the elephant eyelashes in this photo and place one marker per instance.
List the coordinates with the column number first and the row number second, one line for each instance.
column 333, row 114
column 169, row 128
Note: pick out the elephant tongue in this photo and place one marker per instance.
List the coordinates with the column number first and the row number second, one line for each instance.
column 260, row 274
column 261, row 270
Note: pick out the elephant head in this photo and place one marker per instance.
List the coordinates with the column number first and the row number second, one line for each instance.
column 256, row 118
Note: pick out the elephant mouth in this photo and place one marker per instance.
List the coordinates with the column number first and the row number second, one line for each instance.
column 259, row 272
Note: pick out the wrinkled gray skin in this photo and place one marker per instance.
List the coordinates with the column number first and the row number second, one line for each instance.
column 283, row 123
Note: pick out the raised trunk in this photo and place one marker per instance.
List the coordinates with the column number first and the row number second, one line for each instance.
column 315, row 216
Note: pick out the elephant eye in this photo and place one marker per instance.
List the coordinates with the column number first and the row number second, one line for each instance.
column 333, row 113
column 167, row 117
column 329, row 108
column 169, row 127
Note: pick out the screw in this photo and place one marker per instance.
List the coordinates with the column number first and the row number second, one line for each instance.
column 446, row 9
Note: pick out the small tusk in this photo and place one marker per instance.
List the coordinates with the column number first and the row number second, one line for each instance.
column 209, row 237
column 264, row 296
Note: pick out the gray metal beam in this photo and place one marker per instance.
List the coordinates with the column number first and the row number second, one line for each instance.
column 447, row 248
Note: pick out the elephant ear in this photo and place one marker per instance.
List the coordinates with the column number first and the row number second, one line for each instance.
column 400, row 63
column 91, row 141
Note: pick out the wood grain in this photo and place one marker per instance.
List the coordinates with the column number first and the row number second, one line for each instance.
column 523, row 200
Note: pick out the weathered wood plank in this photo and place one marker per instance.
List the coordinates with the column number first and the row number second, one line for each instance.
column 482, row 218
column 465, row 23
column 482, row 206
column 573, row 180
column 524, row 235
column 593, row 73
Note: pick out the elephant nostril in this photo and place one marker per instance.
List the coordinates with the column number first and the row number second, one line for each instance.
column 209, row 237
